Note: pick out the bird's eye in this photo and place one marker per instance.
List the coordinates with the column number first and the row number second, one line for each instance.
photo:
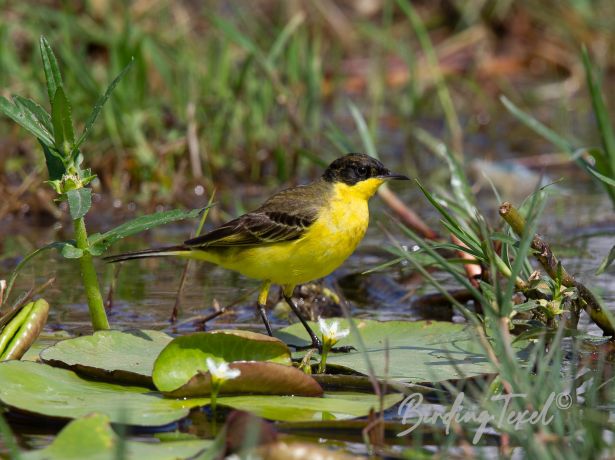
column 362, row 170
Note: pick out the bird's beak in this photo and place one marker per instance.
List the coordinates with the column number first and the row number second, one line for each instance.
column 392, row 176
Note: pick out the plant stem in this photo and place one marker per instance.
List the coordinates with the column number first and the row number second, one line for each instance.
column 550, row 263
column 90, row 279
column 322, row 366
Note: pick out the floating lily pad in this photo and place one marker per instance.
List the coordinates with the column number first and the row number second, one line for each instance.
column 42, row 389
column 55, row 392
column 332, row 406
column 92, row 437
column 418, row 351
column 110, row 355
column 185, row 356
column 257, row 377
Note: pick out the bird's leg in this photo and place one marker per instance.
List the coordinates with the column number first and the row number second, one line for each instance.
column 316, row 343
column 261, row 303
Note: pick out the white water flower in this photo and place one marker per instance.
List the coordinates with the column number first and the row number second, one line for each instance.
column 330, row 331
column 220, row 371
column 331, row 334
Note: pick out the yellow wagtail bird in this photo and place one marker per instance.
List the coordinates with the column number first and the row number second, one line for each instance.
column 298, row 235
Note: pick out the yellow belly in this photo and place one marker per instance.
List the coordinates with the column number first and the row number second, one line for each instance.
column 326, row 245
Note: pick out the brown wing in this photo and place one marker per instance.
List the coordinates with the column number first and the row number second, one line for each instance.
column 284, row 217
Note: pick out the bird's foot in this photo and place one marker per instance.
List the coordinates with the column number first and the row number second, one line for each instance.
column 344, row 349
column 318, row 346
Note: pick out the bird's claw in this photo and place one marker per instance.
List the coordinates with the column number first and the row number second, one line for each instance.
column 344, row 349
column 318, row 346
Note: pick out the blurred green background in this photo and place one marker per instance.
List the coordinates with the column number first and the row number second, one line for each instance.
column 231, row 94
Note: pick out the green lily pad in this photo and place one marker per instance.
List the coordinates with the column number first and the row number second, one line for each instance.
column 92, row 437
column 418, row 351
column 332, row 406
column 257, row 377
column 55, row 392
column 110, row 355
column 185, row 356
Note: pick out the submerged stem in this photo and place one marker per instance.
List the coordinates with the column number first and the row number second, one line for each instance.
column 90, row 279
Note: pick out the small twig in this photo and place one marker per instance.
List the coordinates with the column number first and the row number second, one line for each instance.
column 201, row 320
column 110, row 294
column 550, row 263
column 193, row 142
column 182, row 281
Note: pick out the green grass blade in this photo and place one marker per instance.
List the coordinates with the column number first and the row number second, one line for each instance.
column 538, row 127
column 449, row 221
column 338, row 138
column 98, row 107
column 444, row 264
column 231, row 32
column 602, row 177
column 459, row 179
column 284, row 36
column 602, row 115
column 446, row 101
column 366, row 137
column 606, row 263
column 52, row 70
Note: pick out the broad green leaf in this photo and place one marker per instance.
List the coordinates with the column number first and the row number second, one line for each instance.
column 71, row 252
column 55, row 392
column 333, row 405
column 62, row 123
column 42, row 389
column 110, row 355
column 79, row 202
column 55, row 166
column 100, row 242
column 257, row 377
column 26, row 120
column 606, row 263
column 185, row 356
column 418, row 351
column 92, row 437
column 99, row 105
column 52, row 70
column 39, row 113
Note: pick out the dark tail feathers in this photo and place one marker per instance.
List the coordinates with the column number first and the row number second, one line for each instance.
column 154, row 252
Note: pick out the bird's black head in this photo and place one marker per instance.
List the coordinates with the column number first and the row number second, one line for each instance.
column 356, row 167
